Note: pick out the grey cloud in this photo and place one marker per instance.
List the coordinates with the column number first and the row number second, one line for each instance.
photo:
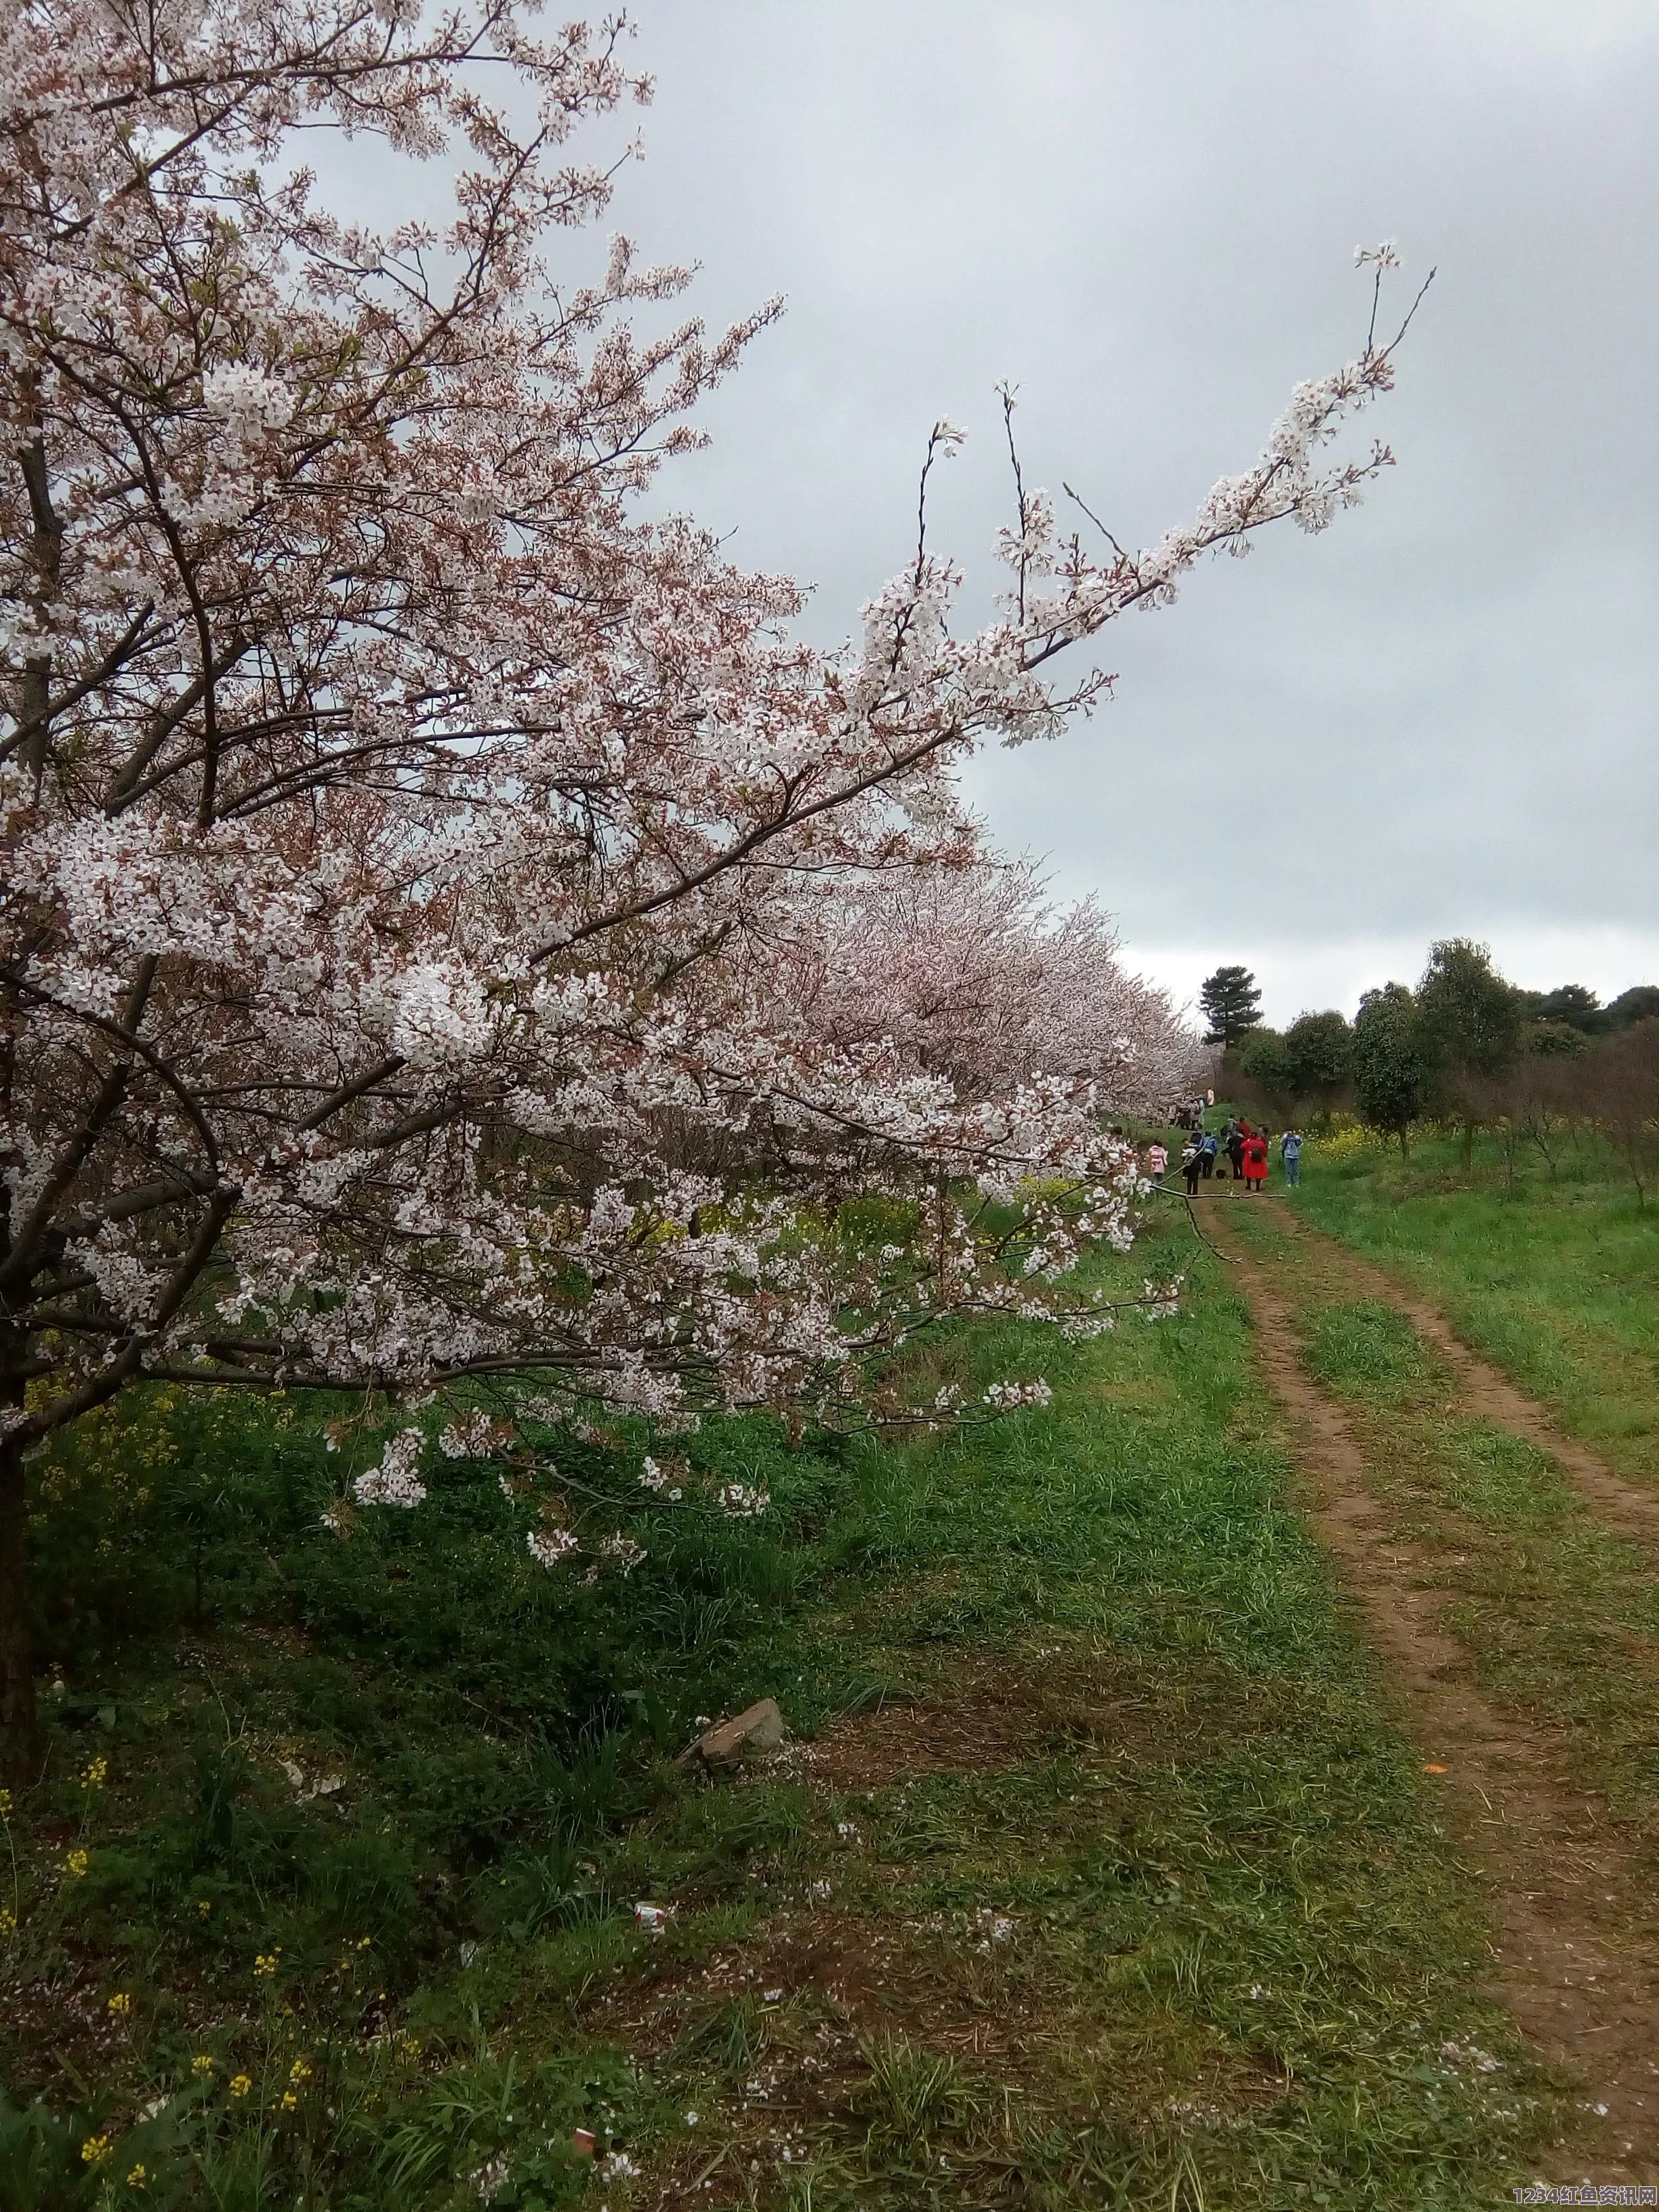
column 1439, row 716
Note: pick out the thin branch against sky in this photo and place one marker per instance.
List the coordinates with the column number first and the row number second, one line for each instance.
column 1444, row 721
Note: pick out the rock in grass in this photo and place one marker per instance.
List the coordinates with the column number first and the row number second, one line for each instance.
column 761, row 1728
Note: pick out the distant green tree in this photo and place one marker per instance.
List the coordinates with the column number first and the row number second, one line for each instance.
column 1470, row 1015
column 1264, row 1063
column 1319, row 1055
column 1555, row 1040
column 1231, row 1003
column 1469, row 1026
column 1640, row 1004
column 1390, row 1068
column 1307, row 1064
column 1572, row 1003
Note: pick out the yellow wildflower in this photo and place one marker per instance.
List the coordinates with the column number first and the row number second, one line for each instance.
column 266, row 1962
column 137, row 2176
column 120, row 2005
column 202, row 2063
column 239, row 2085
column 410, row 2047
column 5, row 1804
column 94, row 2150
column 290, row 2102
column 95, row 1774
column 301, row 2070
column 75, row 1864
column 204, row 1905
column 8, row 1922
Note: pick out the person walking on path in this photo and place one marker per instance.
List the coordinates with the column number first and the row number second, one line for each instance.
column 1238, row 1136
column 1193, row 1162
column 1208, row 1147
column 1289, row 1151
column 1157, row 1159
column 1255, row 1161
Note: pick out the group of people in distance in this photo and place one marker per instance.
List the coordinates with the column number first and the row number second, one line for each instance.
column 1248, row 1151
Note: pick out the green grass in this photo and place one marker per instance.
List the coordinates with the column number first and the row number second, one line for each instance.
column 1112, row 1884
column 1557, row 1281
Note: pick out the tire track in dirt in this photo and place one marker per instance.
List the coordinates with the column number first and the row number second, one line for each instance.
column 1577, row 1956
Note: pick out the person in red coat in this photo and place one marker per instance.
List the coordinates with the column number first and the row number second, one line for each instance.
column 1255, row 1161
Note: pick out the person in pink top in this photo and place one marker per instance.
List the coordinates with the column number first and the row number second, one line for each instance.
column 1157, row 1159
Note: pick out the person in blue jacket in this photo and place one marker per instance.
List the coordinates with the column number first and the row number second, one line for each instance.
column 1209, row 1145
column 1290, row 1151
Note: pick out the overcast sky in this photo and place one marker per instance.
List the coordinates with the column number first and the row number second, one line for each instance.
column 1436, row 719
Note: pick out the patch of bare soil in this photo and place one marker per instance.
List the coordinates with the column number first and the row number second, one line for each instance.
column 1578, row 1956
column 801, row 2006
column 991, row 1717
column 846, row 1976
column 809, row 2001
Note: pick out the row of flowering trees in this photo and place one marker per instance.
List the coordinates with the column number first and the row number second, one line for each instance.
column 969, row 973
column 417, row 867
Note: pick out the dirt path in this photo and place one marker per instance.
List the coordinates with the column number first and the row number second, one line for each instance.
column 1628, row 1507
column 1576, row 1960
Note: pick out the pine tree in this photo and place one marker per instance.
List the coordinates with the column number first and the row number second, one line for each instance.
column 1231, row 1003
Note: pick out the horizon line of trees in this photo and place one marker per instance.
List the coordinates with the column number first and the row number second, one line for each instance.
column 1466, row 1048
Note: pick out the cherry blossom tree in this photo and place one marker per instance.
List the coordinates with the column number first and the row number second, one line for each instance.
column 403, row 838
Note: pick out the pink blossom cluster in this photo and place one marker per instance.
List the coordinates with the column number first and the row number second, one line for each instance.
column 743, row 1501
column 394, row 1481
column 1004, row 1397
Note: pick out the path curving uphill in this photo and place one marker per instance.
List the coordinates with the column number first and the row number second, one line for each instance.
column 1575, row 1951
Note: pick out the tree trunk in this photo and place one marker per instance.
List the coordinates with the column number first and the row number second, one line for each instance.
column 21, row 1745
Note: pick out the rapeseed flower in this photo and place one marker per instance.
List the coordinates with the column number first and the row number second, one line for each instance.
column 137, row 2176
column 94, row 2150
column 120, row 2005
column 239, row 2085
column 202, row 2065
column 75, row 1864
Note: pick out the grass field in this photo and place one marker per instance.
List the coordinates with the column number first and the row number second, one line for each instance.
column 1098, row 1874
column 1556, row 1280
